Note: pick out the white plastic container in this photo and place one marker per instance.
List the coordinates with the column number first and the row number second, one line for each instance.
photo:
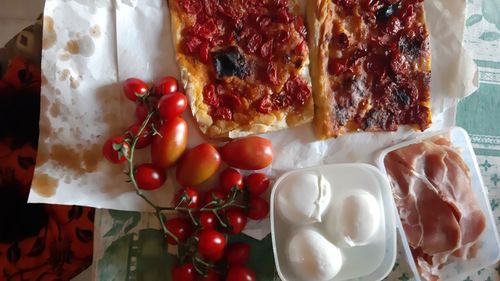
column 370, row 261
column 489, row 250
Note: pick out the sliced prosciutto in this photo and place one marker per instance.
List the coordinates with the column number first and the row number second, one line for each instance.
column 439, row 212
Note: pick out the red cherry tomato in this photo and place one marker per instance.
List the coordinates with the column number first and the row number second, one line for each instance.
column 166, row 85
column 210, row 276
column 237, row 253
column 211, row 244
column 230, row 178
column 172, row 105
column 250, row 153
column 212, row 195
column 236, row 220
column 182, row 228
column 258, row 208
column 257, row 183
column 115, row 149
column 240, row 273
column 197, row 165
column 146, row 137
column 208, row 220
column 135, row 88
column 149, row 177
column 191, row 198
column 183, row 272
column 141, row 111
column 168, row 147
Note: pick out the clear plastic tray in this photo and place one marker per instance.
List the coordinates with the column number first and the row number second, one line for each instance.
column 365, row 263
column 489, row 251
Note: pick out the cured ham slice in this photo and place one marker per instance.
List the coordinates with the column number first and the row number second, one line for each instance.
column 439, row 212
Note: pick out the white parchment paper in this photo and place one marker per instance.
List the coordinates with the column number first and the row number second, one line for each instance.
column 91, row 46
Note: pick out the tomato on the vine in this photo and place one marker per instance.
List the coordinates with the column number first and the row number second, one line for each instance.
column 115, row 149
column 141, row 112
column 190, row 196
column 236, row 220
column 213, row 195
column 257, row 183
column 146, row 137
column 135, row 88
column 211, row 244
column 258, row 208
column 172, row 105
column 166, row 85
column 183, row 272
column 208, row 220
column 211, row 275
column 181, row 228
column 168, row 146
column 149, row 176
column 240, row 273
column 230, row 178
column 237, row 253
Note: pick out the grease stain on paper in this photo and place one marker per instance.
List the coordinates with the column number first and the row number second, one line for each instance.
column 95, row 31
column 44, row 185
column 83, row 46
column 49, row 33
column 77, row 161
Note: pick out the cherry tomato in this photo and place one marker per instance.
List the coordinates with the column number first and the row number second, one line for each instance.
column 258, row 208
column 168, row 147
column 146, row 137
column 208, row 220
column 236, row 220
column 197, row 165
column 210, row 276
column 141, row 111
column 237, row 253
column 135, row 88
column 211, row 244
column 166, row 85
column 250, row 153
column 115, row 149
column 183, row 272
column 149, row 176
column 212, row 195
column 182, row 228
column 229, row 178
column 240, row 273
column 191, row 198
column 257, row 183
column 172, row 105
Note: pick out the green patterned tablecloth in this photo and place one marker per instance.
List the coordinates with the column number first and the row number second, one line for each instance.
column 127, row 246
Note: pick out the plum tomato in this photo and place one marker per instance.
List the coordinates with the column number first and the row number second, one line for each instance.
column 144, row 139
column 250, row 153
column 184, row 272
column 134, row 88
column 197, row 165
column 211, row 275
column 166, row 85
column 258, row 208
column 237, row 253
column 257, row 183
column 240, row 273
column 208, row 220
column 236, row 220
column 212, row 195
column 172, row 105
column 211, row 244
column 190, row 196
column 149, row 177
column 115, row 149
column 230, row 178
column 168, row 146
column 182, row 228
column 141, row 112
